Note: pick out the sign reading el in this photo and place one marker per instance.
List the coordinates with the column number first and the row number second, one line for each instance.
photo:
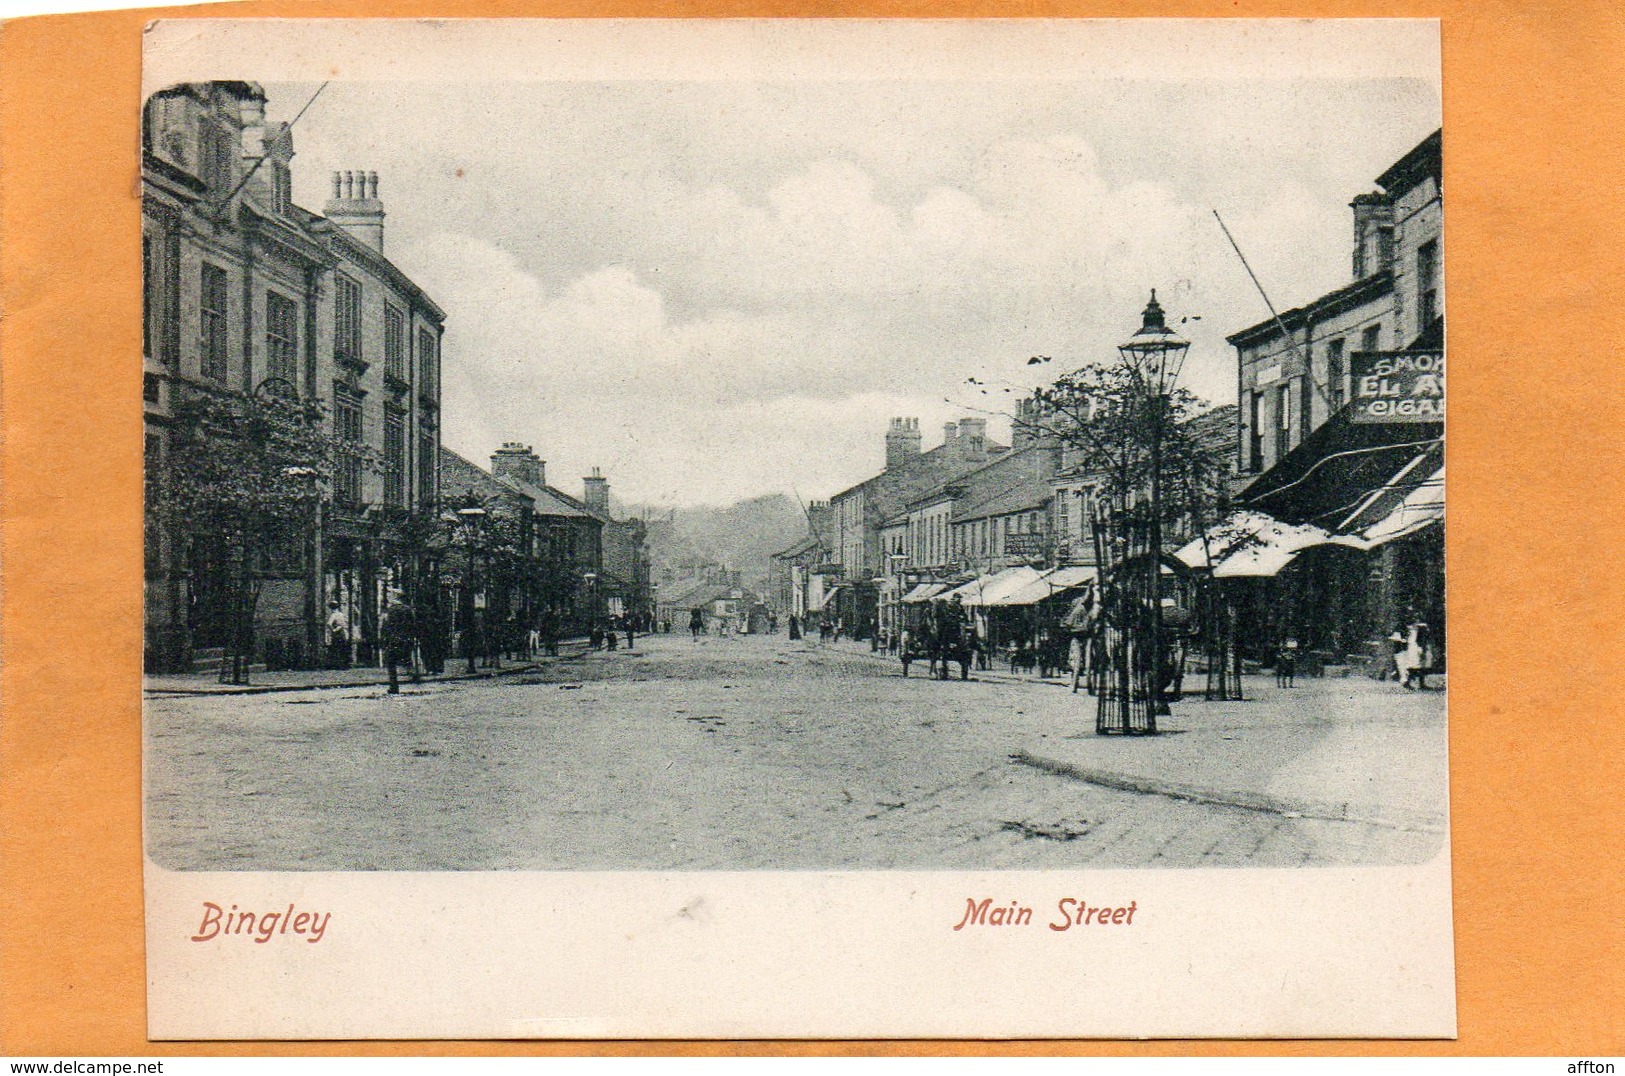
column 1397, row 386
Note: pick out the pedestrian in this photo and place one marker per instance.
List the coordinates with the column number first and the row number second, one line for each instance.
column 1411, row 658
column 795, row 626
column 398, row 635
column 533, row 642
column 338, row 637
column 595, row 637
column 905, row 650
column 1286, row 663
column 696, row 623
column 1398, row 641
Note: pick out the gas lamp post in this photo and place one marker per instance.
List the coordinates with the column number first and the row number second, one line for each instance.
column 1155, row 355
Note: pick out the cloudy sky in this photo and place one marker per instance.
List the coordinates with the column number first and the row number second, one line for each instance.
column 713, row 290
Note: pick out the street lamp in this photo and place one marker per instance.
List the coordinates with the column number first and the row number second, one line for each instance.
column 1155, row 355
column 470, row 519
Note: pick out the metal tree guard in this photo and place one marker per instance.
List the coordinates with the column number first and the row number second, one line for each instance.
column 1125, row 676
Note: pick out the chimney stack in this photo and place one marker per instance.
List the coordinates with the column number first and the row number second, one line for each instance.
column 902, row 442
column 819, row 515
column 972, row 440
column 595, row 492
column 1373, row 234
column 1024, row 430
column 355, row 207
column 517, row 461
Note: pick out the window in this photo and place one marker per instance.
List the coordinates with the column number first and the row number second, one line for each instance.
column 1427, row 283
column 1255, row 433
column 1283, row 420
column 346, row 320
column 427, row 451
column 160, row 289
column 1371, row 338
column 212, row 322
column 282, row 338
column 214, row 144
column 395, row 457
column 347, row 424
column 1385, row 248
column 1306, row 404
column 394, row 342
column 1335, row 373
column 428, row 384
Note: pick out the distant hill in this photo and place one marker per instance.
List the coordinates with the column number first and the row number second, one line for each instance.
column 742, row 537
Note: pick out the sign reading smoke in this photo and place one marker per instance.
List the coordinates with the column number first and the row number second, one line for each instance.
column 1397, row 386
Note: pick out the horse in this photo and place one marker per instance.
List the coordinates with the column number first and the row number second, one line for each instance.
column 952, row 641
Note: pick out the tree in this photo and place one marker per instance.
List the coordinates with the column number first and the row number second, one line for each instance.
column 495, row 540
column 243, row 478
column 1105, row 415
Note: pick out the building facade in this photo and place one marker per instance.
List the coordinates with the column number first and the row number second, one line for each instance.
column 860, row 512
column 1291, row 382
column 1361, row 494
column 246, row 296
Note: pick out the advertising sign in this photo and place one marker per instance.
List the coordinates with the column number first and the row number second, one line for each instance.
column 1397, row 386
column 1023, row 545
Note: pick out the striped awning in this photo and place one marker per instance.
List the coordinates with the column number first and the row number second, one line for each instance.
column 1049, row 585
column 992, row 589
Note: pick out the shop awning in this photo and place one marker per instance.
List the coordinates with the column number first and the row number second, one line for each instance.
column 1049, row 585
column 1412, row 503
column 991, row 589
column 1253, row 545
column 925, row 592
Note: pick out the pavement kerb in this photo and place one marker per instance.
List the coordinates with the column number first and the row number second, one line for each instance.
column 406, row 682
column 1232, row 797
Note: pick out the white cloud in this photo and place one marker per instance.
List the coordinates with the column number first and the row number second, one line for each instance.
column 712, row 296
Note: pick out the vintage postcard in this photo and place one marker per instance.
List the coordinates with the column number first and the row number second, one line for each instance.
column 779, row 528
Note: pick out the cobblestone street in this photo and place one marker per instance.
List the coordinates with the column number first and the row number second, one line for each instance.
column 722, row 754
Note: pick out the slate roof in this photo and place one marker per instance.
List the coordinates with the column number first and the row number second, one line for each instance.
column 1017, row 482
column 459, row 478
column 890, row 490
column 547, row 501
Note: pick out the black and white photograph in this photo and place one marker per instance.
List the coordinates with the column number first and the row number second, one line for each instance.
column 1011, row 449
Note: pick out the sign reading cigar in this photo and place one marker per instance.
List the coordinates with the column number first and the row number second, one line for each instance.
column 1397, row 386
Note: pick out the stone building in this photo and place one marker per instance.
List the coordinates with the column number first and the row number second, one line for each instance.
column 1290, row 383
column 803, row 573
column 1341, row 539
column 567, row 546
column 860, row 512
column 624, row 584
column 244, row 294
